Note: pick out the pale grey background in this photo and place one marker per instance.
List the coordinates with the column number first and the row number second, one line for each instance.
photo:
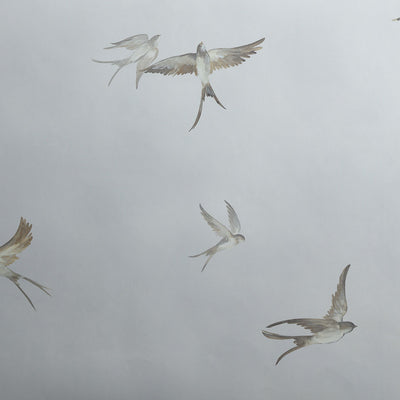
column 306, row 152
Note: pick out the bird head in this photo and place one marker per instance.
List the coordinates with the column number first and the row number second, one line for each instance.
column 349, row 326
column 352, row 325
column 201, row 47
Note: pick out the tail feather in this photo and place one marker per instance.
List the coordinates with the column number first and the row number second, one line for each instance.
column 103, row 62
column 139, row 74
column 26, row 296
column 207, row 90
column 300, row 341
column 119, row 63
column 114, row 74
column 210, row 93
column 208, row 259
column 15, row 277
column 287, row 352
column 203, row 96
column 209, row 252
column 200, row 254
column 41, row 287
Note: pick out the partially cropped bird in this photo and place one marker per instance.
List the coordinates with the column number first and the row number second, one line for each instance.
column 329, row 329
column 203, row 63
column 230, row 238
column 8, row 254
column 144, row 52
column 396, row 19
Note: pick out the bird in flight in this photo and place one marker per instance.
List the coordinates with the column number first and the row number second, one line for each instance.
column 8, row 254
column 396, row 19
column 229, row 239
column 203, row 63
column 329, row 329
column 144, row 52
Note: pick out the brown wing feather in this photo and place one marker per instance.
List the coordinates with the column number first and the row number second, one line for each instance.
column 339, row 303
column 177, row 65
column 230, row 57
column 315, row 325
column 21, row 240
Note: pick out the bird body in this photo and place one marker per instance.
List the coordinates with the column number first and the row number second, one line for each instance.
column 144, row 52
column 325, row 330
column 203, row 63
column 203, row 66
column 8, row 254
column 230, row 238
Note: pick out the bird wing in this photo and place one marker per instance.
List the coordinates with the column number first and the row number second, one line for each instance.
column 339, row 303
column 220, row 229
column 225, row 58
column 21, row 239
column 233, row 219
column 177, row 65
column 315, row 325
column 131, row 43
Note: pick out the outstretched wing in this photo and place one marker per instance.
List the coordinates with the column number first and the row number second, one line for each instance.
column 130, row 43
column 21, row 239
column 315, row 325
column 177, row 65
column 225, row 58
column 339, row 303
column 216, row 226
column 233, row 219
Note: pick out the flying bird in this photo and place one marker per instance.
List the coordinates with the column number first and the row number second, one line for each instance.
column 230, row 238
column 396, row 19
column 8, row 254
column 203, row 63
column 144, row 52
column 329, row 329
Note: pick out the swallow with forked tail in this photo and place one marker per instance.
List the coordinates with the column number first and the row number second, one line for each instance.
column 8, row 254
column 203, row 63
column 329, row 329
column 230, row 238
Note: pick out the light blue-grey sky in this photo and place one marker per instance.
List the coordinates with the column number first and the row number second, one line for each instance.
column 306, row 152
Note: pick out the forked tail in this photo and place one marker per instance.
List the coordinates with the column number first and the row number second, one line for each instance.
column 15, row 277
column 119, row 63
column 209, row 252
column 300, row 341
column 208, row 91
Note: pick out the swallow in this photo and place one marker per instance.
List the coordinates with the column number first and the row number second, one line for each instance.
column 329, row 329
column 8, row 254
column 144, row 52
column 230, row 238
column 203, row 63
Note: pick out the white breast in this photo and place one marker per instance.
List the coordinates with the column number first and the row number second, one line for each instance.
column 329, row 335
column 203, row 67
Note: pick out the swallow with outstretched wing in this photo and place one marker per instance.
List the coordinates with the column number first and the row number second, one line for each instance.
column 230, row 238
column 329, row 329
column 203, row 63
column 144, row 52
column 8, row 254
